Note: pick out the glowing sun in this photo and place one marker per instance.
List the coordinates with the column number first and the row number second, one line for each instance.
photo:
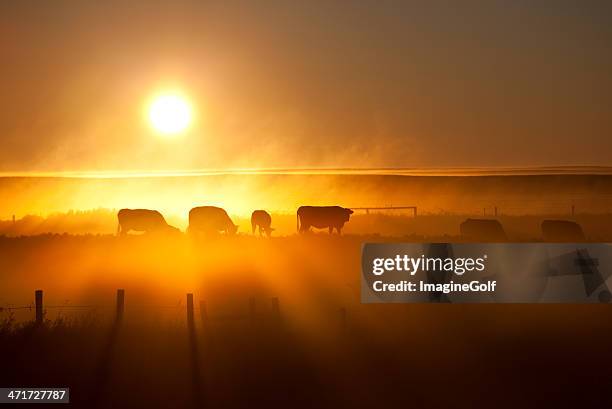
column 169, row 114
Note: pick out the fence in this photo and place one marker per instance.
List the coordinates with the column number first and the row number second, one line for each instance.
column 369, row 209
column 100, row 394
column 253, row 313
column 518, row 207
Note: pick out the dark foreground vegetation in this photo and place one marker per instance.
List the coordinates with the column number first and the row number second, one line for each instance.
column 323, row 349
column 415, row 356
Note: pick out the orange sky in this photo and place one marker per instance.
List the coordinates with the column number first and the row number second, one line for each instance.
column 282, row 84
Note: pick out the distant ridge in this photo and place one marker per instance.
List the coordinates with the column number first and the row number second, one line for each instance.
column 473, row 171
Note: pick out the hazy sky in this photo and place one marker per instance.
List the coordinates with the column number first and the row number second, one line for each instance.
column 312, row 83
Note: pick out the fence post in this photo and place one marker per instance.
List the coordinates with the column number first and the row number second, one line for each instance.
column 190, row 321
column 495, row 211
column 275, row 308
column 196, row 380
column 38, row 298
column 120, row 304
column 252, row 308
column 573, row 210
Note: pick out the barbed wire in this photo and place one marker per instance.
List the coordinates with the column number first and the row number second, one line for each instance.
column 137, row 306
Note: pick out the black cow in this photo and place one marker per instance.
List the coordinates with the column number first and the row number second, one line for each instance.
column 487, row 230
column 331, row 217
column 562, row 230
column 263, row 220
column 210, row 219
column 142, row 220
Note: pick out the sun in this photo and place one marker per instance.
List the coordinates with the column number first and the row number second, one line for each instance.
column 170, row 114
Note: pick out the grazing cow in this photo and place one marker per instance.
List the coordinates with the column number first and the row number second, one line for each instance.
column 562, row 230
column 487, row 230
column 322, row 217
column 263, row 220
column 209, row 220
column 142, row 220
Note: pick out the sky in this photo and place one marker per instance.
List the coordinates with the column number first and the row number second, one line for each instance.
column 286, row 84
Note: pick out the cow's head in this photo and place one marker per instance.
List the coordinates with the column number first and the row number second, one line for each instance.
column 347, row 213
column 232, row 229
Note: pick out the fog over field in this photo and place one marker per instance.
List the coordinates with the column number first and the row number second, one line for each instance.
column 240, row 194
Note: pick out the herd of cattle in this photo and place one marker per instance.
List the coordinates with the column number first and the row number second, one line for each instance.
column 214, row 220
column 492, row 230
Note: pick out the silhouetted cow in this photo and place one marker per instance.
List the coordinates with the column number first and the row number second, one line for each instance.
column 482, row 230
column 210, row 219
column 332, row 217
column 142, row 220
column 263, row 220
column 562, row 230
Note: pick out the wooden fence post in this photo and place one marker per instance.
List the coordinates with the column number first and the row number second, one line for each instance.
column 196, row 373
column 38, row 298
column 190, row 320
column 120, row 304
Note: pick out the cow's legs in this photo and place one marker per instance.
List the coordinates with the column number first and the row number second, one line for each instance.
column 331, row 229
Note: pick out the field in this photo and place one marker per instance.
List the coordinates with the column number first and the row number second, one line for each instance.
column 475, row 353
column 323, row 348
column 278, row 321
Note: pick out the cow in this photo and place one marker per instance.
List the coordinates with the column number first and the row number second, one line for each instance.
column 562, row 230
column 142, row 220
column 332, row 217
column 210, row 220
column 487, row 230
column 263, row 220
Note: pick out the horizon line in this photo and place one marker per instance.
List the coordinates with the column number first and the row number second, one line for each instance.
column 372, row 171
